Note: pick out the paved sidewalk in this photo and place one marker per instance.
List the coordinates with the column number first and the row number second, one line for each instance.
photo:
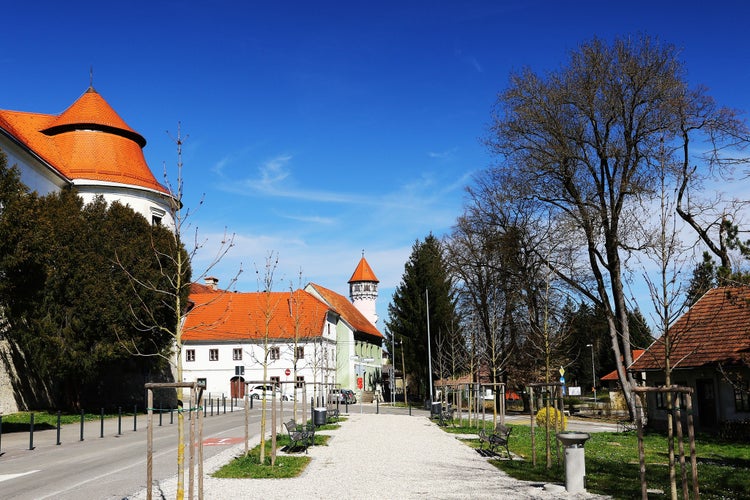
column 381, row 456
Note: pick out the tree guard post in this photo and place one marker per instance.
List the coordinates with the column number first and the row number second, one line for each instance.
column 196, row 391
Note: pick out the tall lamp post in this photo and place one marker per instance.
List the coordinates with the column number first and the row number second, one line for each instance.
column 593, row 371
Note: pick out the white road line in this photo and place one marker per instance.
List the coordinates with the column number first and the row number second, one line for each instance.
column 6, row 477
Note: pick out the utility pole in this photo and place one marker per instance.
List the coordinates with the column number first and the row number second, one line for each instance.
column 429, row 344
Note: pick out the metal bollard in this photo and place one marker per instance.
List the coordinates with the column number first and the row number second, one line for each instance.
column 211, row 402
column 224, row 400
column 135, row 418
column 31, row 431
column 58, row 427
column 1, row 433
column 101, row 423
column 82, row 418
column 119, row 420
column 377, row 407
column 171, row 415
column 160, row 413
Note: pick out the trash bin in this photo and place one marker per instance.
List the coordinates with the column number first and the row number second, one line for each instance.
column 575, row 460
column 319, row 416
column 436, row 408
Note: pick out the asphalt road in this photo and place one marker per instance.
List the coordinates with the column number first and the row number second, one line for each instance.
column 109, row 467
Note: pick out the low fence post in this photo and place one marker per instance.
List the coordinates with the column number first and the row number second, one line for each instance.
column 31, row 431
column 58, row 427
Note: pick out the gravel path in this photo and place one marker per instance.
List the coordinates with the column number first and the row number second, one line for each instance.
column 381, row 456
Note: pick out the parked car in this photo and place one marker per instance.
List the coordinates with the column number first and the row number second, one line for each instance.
column 349, row 396
column 257, row 392
column 343, row 396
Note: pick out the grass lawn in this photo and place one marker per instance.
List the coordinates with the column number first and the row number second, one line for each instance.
column 249, row 466
column 21, row 421
column 612, row 466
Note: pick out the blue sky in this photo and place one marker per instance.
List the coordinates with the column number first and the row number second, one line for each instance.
column 321, row 129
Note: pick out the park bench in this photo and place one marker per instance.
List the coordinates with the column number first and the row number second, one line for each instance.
column 300, row 435
column 499, row 437
column 333, row 413
column 447, row 415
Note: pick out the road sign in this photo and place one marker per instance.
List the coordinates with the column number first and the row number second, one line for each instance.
column 562, row 371
column 287, row 372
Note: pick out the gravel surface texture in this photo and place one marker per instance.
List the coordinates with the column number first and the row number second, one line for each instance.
column 380, row 456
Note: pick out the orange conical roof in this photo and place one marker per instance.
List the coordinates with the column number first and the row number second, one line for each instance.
column 87, row 142
column 363, row 272
column 93, row 112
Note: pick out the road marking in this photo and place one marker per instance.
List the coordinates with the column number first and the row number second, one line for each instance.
column 222, row 441
column 7, row 477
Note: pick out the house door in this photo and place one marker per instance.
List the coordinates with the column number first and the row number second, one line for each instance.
column 237, row 387
column 706, row 400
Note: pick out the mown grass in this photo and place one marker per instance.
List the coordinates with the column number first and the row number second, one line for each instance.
column 249, row 467
column 21, row 421
column 612, row 464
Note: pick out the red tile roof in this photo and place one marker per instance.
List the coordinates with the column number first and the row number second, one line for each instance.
column 88, row 141
column 348, row 312
column 637, row 353
column 228, row 316
column 363, row 273
column 716, row 329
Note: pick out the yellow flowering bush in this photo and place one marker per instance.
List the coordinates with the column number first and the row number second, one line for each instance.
column 554, row 416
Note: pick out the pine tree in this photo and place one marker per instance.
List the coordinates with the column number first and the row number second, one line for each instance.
column 425, row 279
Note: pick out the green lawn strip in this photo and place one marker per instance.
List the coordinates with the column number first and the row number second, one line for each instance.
column 21, row 421
column 612, row 465
column 249, row 466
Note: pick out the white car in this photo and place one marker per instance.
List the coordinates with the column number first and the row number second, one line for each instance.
column 267, row 391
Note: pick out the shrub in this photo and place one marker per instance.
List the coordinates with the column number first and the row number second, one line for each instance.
column 554, row 415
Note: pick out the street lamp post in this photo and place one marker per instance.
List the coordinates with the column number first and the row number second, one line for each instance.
column 593, row 371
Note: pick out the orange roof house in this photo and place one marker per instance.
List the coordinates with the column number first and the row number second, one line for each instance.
column 312, row 335
column 710, row 353
column 715, row 331
column 348, row 312
column 242, row 317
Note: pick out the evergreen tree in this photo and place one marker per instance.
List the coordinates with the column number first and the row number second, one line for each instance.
column 70, row 307
column 425, row 277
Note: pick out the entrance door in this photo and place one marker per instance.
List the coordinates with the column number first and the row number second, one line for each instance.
column 237, row 387
column 706, row 400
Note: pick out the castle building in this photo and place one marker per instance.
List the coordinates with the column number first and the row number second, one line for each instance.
column 88, row 147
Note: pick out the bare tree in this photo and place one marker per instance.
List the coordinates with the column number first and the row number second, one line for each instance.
column 270, row 304
column 178, row 276
column 582, row 143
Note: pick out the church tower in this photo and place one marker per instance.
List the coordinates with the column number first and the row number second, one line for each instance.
column 363, row 290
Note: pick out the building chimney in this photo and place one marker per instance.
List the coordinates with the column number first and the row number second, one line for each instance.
column 212, row 283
